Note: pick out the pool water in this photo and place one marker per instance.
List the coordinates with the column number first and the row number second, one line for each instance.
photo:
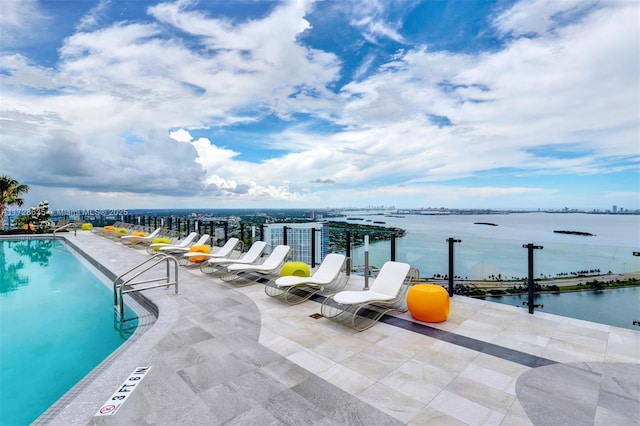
column 56, row 324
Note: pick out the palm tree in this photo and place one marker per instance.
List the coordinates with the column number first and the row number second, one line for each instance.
column 10, row 194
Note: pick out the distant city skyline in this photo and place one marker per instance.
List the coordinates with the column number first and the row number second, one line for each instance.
column 499, row 104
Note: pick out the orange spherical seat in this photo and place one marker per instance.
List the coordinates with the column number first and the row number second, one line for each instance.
column 137, row 234
column 199, row 249
column 428, row 302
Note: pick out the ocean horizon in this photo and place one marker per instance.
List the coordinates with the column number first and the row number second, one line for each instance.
column 492, row 251
column 491, row 245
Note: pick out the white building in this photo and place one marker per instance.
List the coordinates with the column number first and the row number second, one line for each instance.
column 299, row 238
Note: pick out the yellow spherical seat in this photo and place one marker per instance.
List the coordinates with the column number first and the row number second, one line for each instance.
column 87, row 227
column 160, row 240
column 298, row 269
column 428, row 302
column 199, row 249
column 120, row 232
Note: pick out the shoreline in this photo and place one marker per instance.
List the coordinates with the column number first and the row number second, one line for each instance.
column 560, row 282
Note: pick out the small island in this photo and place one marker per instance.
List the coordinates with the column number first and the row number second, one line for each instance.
column 485, row 223
column 588, row 234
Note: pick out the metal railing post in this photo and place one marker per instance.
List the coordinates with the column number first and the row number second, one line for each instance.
column 451, row 271
column 393, row 247
column 313, row 247
column 530, row 247
column 366, row 262
column 284, row 235
column 348, row 247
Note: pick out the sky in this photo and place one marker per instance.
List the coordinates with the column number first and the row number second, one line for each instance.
column 499, row 104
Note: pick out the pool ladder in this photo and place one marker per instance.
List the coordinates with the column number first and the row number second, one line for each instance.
column 71, row 225
column 123, row 285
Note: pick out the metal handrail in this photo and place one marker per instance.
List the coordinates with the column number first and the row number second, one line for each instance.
column 75, row 228
column 119, row 284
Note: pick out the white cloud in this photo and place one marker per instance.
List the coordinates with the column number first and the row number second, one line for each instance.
column 181, row 135
column 94, row 16
column 370, row 18
column 536, row 17
column 421, row 119
column 571, row 87
column 19, row 15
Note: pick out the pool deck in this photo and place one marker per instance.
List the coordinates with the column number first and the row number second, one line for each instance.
column 226, row 355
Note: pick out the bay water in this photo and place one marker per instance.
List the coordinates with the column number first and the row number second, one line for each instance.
column 486, row 251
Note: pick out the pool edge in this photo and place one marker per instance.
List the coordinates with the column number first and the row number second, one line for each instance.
column 84, row 399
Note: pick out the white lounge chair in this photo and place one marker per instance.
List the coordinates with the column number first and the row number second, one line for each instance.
column 215, row 264
column 330, row 277
column 362, row 309
column 203, row 240
column 240, row 272
column 224, row 252
column 133, row 239
column 186, row 242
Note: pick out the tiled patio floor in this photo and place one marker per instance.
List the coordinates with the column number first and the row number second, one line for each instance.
column 223, row 355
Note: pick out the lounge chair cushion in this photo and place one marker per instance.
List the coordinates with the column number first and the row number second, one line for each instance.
column 272, row 262
column 353, row 297
column 385, row 287
column 324, row 275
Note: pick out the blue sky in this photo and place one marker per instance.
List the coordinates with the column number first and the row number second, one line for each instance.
column 461, row 104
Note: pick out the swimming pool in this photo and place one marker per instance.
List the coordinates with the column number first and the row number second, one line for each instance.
column 57, row 324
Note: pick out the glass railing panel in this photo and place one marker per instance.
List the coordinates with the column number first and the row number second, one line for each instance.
column 477, row 258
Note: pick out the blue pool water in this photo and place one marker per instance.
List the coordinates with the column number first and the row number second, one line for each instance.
column 619, row 307
column 56, row 324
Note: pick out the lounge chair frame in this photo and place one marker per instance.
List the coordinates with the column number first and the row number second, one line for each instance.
column 361, row 316
column 216, row 266
column 222, row 252
column 141, row 241
column 260, row 272
column 297, row 293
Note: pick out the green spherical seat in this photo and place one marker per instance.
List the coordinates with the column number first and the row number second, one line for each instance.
column 298, row 269
column 161, row 240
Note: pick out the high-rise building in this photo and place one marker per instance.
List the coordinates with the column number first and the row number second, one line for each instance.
column 299, row 238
